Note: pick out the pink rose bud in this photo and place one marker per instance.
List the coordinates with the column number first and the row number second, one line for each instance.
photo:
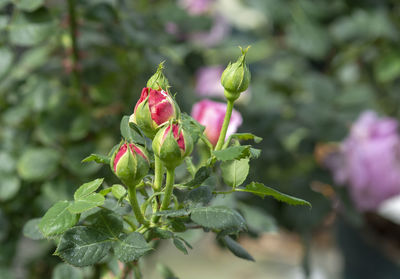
column 211, row 115
column 154, row 109
column 172, row 144
column 130, row 164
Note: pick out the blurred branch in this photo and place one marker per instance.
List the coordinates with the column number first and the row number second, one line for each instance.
column 73, row 30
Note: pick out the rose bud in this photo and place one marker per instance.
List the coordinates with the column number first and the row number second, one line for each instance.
column 131, row 164
column 158, row 80
column 154, row 109
column 172, row 144
column 236, row 77
column 211, row 115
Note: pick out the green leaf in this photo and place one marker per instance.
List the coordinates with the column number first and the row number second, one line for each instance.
column 88, row 188
column 245, row 136
column 166, row 272
column 184, row 240
column 86, row 203
column 31, row 229
column 7, row 162
column 112, row 3
column 179, row 244
column 160, row 233
column 31, row 29
column 118, row 191
column 233, row 153
column 101, row 159
column 201, row 175
column 236, row 248
column 172, row 213
column 258, row 220
column 107, row 222
column 28, row 5
column 261, row 190
column 387, row 67
column 38, row 163
column 131, row 248
column 4, row 2
column 105, row 191
column 6, row 59
column 218, row 217
column 66, row 271
column 177, row 225
column 235, row 172
column 82, row 246
column 200, row 195
column 57, row 219
column 255, row 153
column 9, row 186
column 195, row 128
column 131, row 134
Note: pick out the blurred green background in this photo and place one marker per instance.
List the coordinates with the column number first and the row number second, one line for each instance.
column 69, row 70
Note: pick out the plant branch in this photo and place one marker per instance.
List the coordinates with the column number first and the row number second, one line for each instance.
column 135, row 206
column 158, row 174
column 73, row 31
column 136, row 270
column 169, row 187
column 225, row 125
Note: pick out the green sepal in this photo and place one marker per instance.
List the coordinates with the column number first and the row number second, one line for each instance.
column 142, row 118
column 158, row 80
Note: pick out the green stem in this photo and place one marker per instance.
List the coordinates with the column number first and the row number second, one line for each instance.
column 158, row 179
column 135, row 206
column 167, row 193
column 223, row 192
column 158, row 174
column 130, row 223
column 169, row 186
column 225, row 125
column 149, row 199
column 136, row 270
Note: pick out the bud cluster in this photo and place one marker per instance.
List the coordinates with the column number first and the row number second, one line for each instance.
column 157, row 115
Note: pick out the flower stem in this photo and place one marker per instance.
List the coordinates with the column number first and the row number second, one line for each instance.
column 136, row 270
column 225, row 125
column 167, row 192
column 158, row 174
column 135, row 206
column 158, row 179
column 169, row 186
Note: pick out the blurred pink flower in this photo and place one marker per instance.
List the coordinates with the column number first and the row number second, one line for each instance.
column 172, row 28
column 219, row 30
column 196, row 7
column 370, row 161
column 211, row 115
column 208, row 83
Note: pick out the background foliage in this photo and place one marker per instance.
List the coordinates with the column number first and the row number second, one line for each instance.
column 315, row 65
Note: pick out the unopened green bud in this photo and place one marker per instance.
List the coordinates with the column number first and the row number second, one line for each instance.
column 130, row 163
column 158, row 80
column 172, row 144
column 236, row 77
